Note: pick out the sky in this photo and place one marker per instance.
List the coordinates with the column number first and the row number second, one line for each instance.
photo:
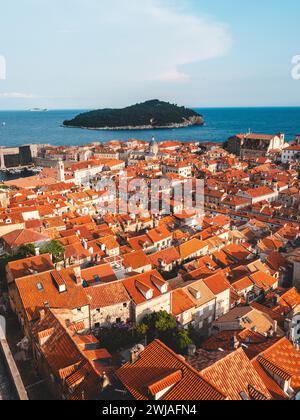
column 83, row 54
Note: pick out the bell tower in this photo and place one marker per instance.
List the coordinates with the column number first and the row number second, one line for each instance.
column 154, row 148
column 61, row 171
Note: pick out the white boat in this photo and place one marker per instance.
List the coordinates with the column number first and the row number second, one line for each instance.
column 38, row 110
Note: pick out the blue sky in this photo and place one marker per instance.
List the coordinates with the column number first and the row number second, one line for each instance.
column 98, row 53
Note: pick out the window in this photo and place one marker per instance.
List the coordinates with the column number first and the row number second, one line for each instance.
column 118, row 321
column 124, row 305
column 186, row 316
column 79, row 310
column 40, row 287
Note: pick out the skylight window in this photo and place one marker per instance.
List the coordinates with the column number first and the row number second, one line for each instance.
column 40, row 287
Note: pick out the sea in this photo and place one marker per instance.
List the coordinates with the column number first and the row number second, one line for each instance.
column 25, row 127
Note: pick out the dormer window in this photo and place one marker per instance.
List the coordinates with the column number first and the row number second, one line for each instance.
column 161, row 285
column 145, row 290
column 196, row 293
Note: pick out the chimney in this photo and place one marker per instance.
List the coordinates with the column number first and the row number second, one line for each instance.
column 234, row 343
column 78, row 278
column 135, row 353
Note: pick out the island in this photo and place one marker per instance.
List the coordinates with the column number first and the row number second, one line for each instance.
column 149, row 115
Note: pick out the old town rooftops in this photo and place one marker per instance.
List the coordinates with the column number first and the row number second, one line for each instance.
column 101, row 296
column 21, row 237
column 55, row 289
column 146, row 286
column 237, row 378
column 161, row 369
column 29, row 266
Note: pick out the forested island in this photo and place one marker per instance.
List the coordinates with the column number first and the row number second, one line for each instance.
column 148, row 115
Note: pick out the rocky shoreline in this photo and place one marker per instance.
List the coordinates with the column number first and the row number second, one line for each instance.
column 198, row 121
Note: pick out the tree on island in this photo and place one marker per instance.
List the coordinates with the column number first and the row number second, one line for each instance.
column 54, row 248
column 150, row 114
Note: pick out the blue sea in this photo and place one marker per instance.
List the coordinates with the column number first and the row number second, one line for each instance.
column 24, row 127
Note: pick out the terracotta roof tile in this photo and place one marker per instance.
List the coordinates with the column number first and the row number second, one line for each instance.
column 235, row 375
column 157, row 367
column 181, row 302
column 102, row 296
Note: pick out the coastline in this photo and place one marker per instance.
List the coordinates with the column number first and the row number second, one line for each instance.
column 136, row 128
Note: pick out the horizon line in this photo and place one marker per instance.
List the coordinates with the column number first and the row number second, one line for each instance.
column 190, row 107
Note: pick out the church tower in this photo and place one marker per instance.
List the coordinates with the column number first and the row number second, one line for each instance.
column 61, row 171
column 154, row 148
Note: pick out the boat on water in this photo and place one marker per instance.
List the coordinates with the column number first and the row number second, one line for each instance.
column 38, row 110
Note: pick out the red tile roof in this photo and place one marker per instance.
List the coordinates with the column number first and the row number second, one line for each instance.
column 283, row 360
column 28, row 266
column 100, row 273
column 37, row 290
column 21, row 237
column 217, row 283
column 181, row 302
column 168, row 256
column 66, row 360
column 157, row 369
column 144, row 282
column 105, row 295
column 159, row 234
column 136, row 260
column 234, row 375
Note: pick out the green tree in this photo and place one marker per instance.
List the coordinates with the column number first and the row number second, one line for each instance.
column 56, row 249
column 163, row 326
column 180, row 341
column 159, row 324
column 27, row 250
column 142, row 331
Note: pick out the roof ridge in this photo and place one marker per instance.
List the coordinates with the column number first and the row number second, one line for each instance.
column 187, row 365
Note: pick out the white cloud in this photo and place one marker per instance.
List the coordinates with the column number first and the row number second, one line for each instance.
column 17, row 95
column 164, row 38
column 173, row 76
column 144, row 40
column 98, row 53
